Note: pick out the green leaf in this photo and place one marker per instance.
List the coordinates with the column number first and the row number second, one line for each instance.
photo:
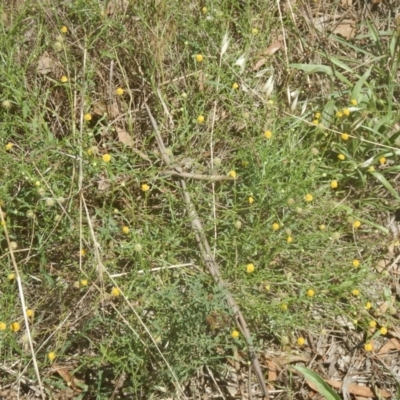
column 328, row 113
column 322, row 387
column 386, row 184
column 313, row 68
column 340, row 64
column 357, row 87
column 342, row 78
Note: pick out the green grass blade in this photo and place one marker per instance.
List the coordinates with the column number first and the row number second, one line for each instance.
column 342, row 78
column 357, row 87
column 386, row 184
column 322, row 387
column 313, row 68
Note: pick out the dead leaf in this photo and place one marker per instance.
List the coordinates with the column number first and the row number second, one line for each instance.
column 347, row 3
column 45, row 63
column 355, row 389
column 259, row 64
column 346, row 29
column 272, row 48
column 272, row 371
column 99, row 108
column 113, row 110
column 103, row 184
column 68, row 378
column 124, row 137
column 381, row 265
column 395, row 331
column 116, row 6
column 392, row 344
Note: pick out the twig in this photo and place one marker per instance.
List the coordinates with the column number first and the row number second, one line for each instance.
column 211, row 262
column 200, row 177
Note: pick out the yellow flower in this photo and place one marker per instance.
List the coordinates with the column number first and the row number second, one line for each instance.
column 15, row 326
column 232, row 174
column 204, row 10
column 322, row 227
column 145, row 187
column 368, row 305
column 355, row 292
column 64, row 29
column 251, row 200
column 354, row 102
column 51, row 356
column 11, row 277
column 82, row 252
column 310, row 293
column 372, row 324
column 235, row 86
column 64, row 79
column 334, row 184
column 368, row 346
column 345, row 136
column 268, row 134
column 382, row 160
column 341, row 157
column 9, row 146
column 87, row 117
column 199, row 57
column 356, row 263
column 235, row 334
column 200, row 119
column 284, row 307
column 315, row 122
column 115, row 292
column 301, row 341
column 83, row 282
column 254, row 31
column 250, row 268
column 106, row 158
column 3, row 326
column 119, row 91
column 308, row 197
column 275, row 226
column 356, row 224
column 346, row 112
column 383, row 330
column 29, row 313
column 371, row 168
column 339, row 114
column 317, row 115
column 289, row 239
column 125, row 230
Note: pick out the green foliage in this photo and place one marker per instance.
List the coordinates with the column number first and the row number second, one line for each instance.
column 66, row 205
column 322, row 387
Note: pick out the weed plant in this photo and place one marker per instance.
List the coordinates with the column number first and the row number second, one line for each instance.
column 109, row 265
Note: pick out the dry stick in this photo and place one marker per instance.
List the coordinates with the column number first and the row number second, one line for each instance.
column 23, row 304
column 200, row 177
column 211, row 263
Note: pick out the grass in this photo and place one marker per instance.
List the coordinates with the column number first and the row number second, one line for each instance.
column 102, row 240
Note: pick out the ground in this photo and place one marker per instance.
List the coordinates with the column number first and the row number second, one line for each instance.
column 199, row 199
